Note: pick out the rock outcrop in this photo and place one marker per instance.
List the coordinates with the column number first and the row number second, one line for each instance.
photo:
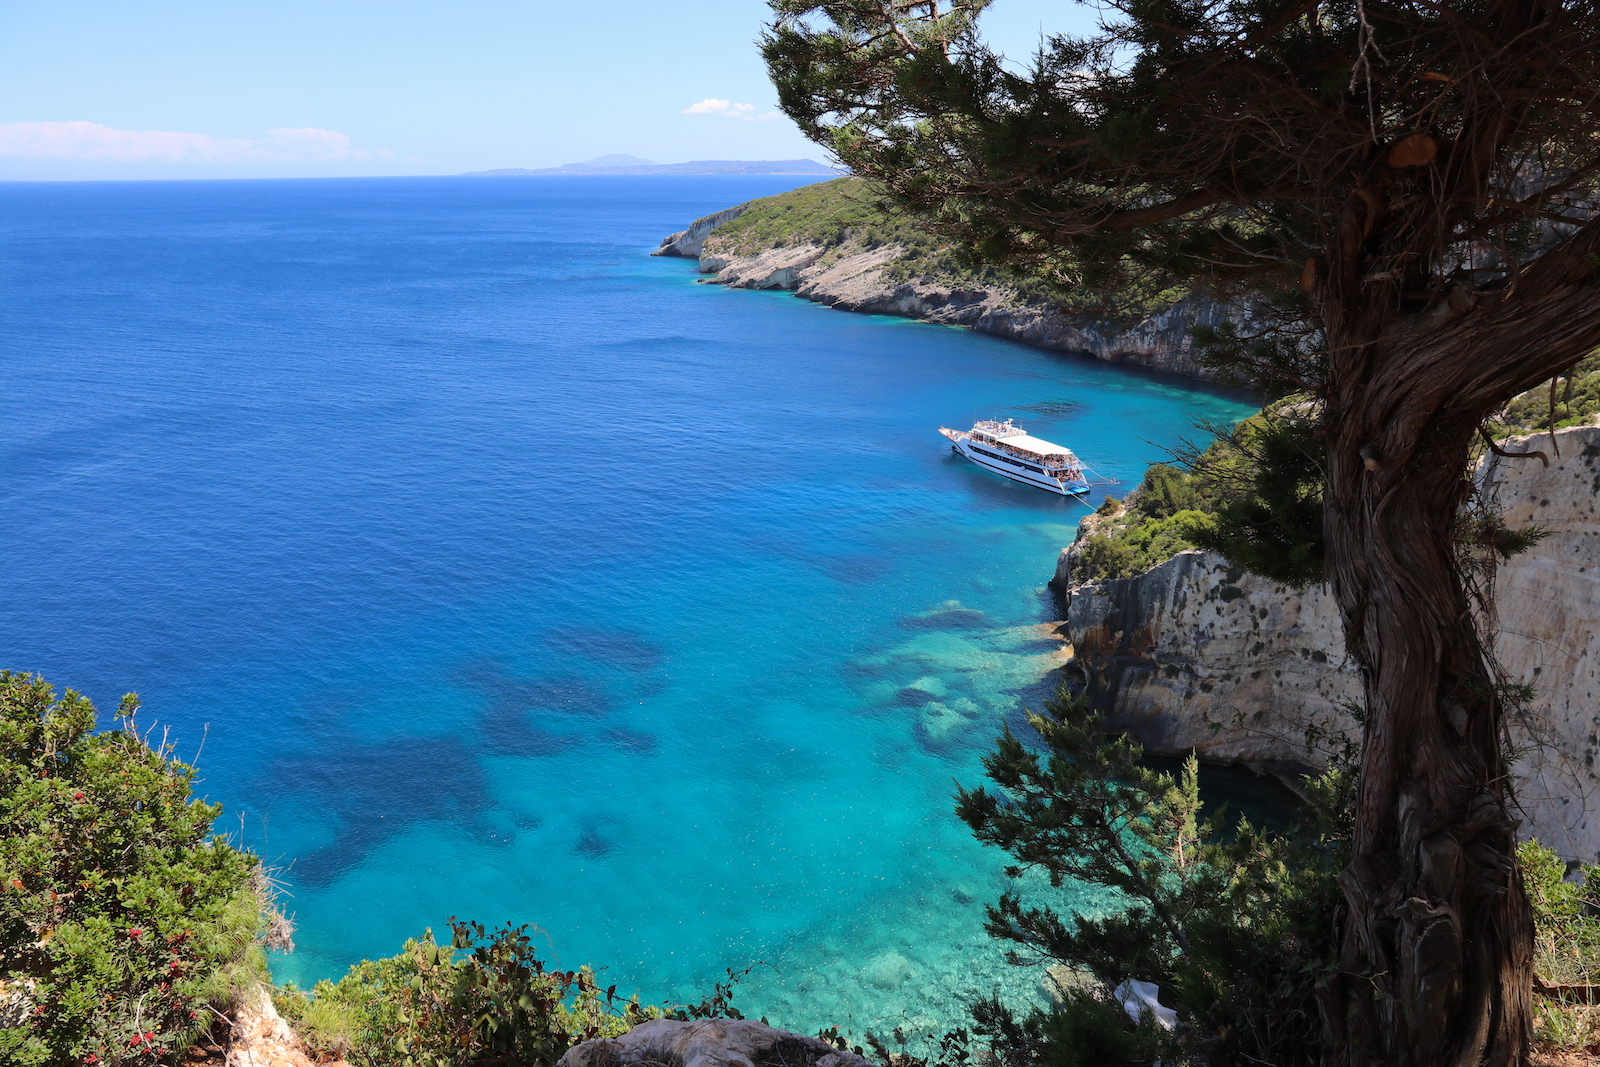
column 853, row 277
column 261, row 1038
column 708, row 1043
column 687, row 243
column 1196, row 656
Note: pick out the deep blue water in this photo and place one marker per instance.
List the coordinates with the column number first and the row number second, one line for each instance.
column 505, row 571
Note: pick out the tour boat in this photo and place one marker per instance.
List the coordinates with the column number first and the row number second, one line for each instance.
column 1008, row 450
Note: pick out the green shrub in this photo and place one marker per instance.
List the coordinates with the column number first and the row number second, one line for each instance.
column 1152, row 525
column 496, row 1004
column 1268, row 515
column 123, row 921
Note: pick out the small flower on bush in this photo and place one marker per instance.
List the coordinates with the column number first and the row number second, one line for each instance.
column 146, row 874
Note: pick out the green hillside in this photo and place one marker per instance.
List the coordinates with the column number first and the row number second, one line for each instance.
column 846, row 212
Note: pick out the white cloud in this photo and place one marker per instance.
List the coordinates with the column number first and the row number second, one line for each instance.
column 729, row 110
column 90, row 141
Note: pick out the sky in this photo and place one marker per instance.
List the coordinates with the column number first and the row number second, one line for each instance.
column 107, row 89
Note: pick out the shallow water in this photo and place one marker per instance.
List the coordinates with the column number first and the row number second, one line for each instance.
column 504, row 571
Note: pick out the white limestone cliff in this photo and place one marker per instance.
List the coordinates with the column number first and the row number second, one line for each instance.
column 852, row 278
column 687, row 243
column 259, row 1037
column 1193, row 655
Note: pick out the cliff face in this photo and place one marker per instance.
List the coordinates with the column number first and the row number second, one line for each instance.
column 1194, row 655
column 852, row 277
column 687, row 243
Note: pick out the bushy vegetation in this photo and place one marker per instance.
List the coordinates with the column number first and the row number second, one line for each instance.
column 128, row 930
column 829, row 214
column 483, row 999
column 1254, row 495
column 123, row 920
column 1151, row 526
column 1234, row 924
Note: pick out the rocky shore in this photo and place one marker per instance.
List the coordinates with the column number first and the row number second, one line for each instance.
column 852, row 276
column 1195, row 655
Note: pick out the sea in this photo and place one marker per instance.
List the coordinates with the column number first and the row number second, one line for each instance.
column 486, row 566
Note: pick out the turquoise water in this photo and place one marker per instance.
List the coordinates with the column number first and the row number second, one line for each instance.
column 505, row 571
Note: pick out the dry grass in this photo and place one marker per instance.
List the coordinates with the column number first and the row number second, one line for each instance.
column 1545, row 1056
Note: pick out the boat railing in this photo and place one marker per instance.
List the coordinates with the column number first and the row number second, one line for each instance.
column 998, row 429
column 1055, row 460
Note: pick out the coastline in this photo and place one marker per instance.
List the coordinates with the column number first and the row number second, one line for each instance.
column 854, row 275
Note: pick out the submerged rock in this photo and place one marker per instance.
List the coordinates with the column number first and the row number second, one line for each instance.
column 938, row 724
column 887, row 971
column 708, row 1043
column 928, row 687
column 950, row 615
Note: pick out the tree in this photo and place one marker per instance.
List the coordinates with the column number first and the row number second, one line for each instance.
column 1228, row 919
column 1402, row 195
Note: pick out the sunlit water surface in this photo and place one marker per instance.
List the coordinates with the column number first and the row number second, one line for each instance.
column 507, row 572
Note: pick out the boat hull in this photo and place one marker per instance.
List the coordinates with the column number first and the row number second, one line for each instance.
column 1016, row 473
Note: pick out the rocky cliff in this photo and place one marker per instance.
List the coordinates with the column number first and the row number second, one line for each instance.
column 687, row 243
column 856, row 273
column 1193, row 655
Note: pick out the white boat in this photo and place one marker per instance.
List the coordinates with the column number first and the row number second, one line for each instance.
column 1007, row 449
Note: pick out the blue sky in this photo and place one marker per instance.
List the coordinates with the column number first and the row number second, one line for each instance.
column 245, row 88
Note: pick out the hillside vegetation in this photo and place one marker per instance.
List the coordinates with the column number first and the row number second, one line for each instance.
column 1574, row 402
column 129, row 931
column 1176, row 508
column 846, row 215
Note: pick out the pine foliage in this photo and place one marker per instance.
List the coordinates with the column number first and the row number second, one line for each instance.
column 1231, row 921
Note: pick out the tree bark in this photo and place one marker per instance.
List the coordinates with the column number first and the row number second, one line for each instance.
column 1435, row 964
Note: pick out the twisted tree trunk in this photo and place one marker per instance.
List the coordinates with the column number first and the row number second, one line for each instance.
column 1436, row 937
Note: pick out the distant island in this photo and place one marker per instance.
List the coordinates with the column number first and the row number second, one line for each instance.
column 622, row 164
